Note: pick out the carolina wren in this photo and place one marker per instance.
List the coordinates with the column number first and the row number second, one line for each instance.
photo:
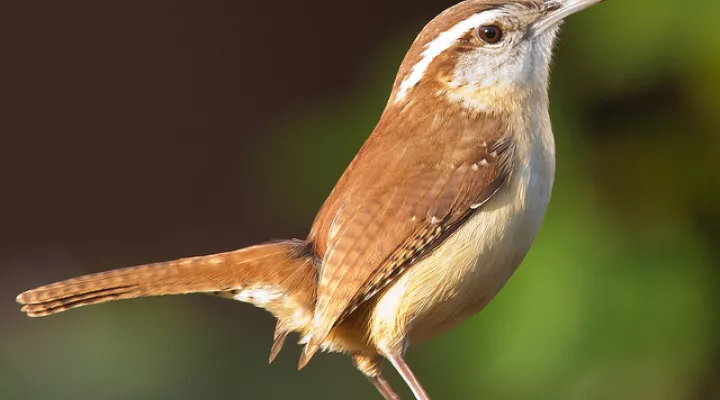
column 428, row 222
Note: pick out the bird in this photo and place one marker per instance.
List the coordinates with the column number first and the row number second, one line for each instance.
column 427, row 223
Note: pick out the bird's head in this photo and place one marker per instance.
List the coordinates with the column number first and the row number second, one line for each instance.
column 485, row 55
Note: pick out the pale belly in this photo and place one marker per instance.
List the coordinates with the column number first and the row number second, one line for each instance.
column 464, row 273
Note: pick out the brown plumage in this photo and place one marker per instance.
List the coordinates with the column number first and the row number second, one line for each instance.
column 285, row 266
column 376, row 223
column 427, row 223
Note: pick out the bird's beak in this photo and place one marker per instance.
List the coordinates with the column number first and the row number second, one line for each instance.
column 557, row 10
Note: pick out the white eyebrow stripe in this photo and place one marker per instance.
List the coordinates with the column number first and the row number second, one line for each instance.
column 438, row 45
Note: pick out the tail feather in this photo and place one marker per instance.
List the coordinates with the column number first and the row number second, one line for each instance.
column 279, row 277
column 65, row 303
column 278, row 341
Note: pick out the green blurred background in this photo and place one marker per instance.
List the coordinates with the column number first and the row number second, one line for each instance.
column 136, row 132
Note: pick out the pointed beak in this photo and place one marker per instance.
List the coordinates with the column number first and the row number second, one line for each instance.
column 558, row 10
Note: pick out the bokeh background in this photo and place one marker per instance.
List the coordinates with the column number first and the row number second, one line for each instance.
column 136, row 131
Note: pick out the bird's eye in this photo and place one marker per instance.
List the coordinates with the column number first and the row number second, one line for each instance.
column 490, row 34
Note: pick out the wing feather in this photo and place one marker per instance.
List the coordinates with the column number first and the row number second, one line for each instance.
column 397, row 201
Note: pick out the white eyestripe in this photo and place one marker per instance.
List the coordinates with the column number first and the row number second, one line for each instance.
column 438, row 45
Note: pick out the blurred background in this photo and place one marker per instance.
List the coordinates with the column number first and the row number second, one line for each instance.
column 134, row 132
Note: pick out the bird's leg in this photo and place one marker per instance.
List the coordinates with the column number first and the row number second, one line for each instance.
column 397, row 360
column 371, row 368
column 383, row 386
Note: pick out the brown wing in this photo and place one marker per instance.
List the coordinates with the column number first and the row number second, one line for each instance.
column 410, row 186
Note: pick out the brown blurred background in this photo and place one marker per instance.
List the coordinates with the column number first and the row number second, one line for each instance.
column 137, row 131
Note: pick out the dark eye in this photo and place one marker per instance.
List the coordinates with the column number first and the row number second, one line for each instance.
column 490, row 34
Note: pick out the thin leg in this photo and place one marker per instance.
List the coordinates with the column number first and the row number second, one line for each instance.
column 384, row 388
column 404, row 370
column 371, row 366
